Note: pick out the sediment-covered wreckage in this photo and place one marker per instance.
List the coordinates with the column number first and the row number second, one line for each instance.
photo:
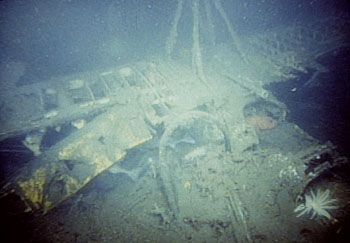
column 215, row 127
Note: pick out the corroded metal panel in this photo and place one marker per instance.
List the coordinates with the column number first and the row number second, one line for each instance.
column 71, row 164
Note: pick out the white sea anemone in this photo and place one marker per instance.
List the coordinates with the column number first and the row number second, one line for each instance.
column 318, row 204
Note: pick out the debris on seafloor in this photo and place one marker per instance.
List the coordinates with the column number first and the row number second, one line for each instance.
column 162, row 214
column 79, row 124
column 33, row 141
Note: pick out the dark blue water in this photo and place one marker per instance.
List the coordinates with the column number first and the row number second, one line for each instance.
column 323, row 110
